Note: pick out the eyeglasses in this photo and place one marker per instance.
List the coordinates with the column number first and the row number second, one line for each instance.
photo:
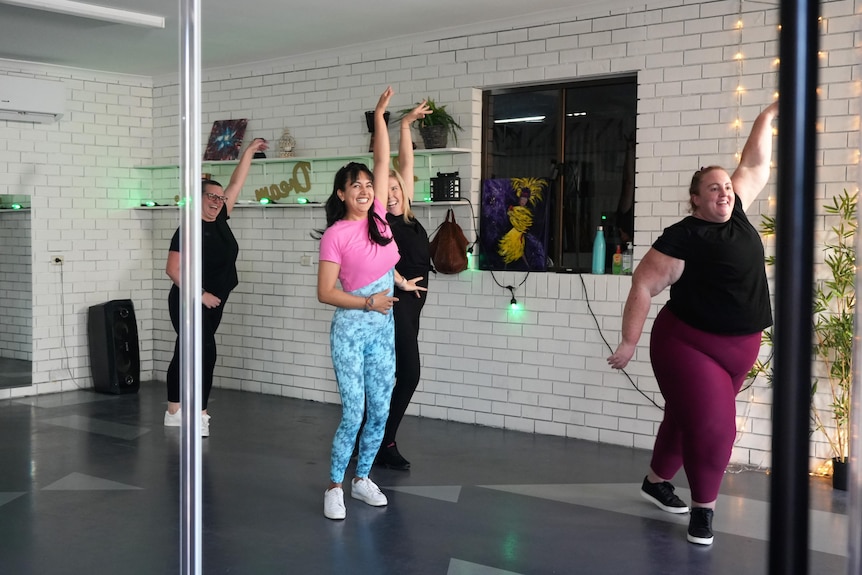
column 215, row 197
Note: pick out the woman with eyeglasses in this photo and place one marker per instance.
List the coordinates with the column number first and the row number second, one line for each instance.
column 220, row 251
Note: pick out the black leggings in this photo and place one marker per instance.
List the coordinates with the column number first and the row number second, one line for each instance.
column 209, row 324
column 407, row 311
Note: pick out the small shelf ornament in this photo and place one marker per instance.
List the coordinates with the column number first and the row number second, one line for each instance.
column 286, row 145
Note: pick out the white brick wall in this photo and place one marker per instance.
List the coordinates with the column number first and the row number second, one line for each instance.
column 541, row 369
column 79, row 178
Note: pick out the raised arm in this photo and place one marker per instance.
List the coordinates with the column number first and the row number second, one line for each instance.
column 405, row 147
column 240, row 173
column 381, row 148
column 655, row 272
column 751, row 175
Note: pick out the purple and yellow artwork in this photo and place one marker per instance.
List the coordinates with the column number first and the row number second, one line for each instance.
column 225, row 140
column 513, row 232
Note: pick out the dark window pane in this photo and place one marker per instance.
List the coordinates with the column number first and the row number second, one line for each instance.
column 580, row 137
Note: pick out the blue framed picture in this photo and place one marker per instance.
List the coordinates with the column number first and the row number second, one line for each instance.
column 225, row 140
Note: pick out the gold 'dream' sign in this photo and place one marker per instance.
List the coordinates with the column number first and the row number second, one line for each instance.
column 300, row 182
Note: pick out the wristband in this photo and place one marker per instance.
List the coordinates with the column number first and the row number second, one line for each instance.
column 369, row 303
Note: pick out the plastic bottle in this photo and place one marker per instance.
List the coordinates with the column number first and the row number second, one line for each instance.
column 617, row 262
column 599, row 252
column 627, row 260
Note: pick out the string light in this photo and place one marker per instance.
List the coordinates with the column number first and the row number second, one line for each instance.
column 739, row 57
column 513, row 303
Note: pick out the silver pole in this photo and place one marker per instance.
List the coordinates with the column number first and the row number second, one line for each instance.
column 190, row 295
column 854, row 511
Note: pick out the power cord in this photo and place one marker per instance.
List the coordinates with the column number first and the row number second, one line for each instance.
column 511, row 288
column 475, row 225
column 610, row 349
column 63, row 328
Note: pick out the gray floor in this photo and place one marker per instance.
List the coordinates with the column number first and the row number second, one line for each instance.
column 15, row 372
column 90, row 485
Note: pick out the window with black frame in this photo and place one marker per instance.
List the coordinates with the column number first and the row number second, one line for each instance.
column 557, row 162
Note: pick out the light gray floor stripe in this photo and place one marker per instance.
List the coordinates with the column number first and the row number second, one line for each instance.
column 449, row 493
column 734, row 515
column 7, row 496
column 82, row 482
column 62, row 399
column 458, row 567
column 88, row 424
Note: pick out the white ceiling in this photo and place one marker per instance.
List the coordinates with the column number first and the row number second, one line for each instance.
column 244, row 31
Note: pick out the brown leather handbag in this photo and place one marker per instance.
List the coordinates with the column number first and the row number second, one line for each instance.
column 449, row 247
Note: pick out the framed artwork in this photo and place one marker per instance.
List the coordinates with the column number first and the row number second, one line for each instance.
column 225, row 140
column 513, row 220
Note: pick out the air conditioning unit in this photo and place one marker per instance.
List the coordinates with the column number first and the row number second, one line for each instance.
column 31, row 100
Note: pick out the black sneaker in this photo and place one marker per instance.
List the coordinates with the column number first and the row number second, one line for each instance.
column 663, row 496
column 390, row 458
column 700, row 526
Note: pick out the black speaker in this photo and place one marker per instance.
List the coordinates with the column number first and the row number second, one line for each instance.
column 115, row 359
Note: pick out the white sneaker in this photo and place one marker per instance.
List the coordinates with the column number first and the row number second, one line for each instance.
column 366, row 490
column 173, row 419
column 333, row 503
column 205, row 425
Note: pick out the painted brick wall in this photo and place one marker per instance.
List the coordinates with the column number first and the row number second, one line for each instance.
column 541, row 369
column 79, row 178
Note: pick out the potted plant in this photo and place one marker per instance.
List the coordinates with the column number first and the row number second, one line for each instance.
column 436, row 126
column 832, row 322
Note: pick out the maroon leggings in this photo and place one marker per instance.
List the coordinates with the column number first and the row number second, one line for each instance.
column 699, row 374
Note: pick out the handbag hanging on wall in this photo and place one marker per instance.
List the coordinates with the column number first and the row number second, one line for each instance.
column 449, row 247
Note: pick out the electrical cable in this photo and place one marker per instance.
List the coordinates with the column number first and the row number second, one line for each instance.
column 511, row 288
column 601, row 335
column 65, row 358
column 475, row 225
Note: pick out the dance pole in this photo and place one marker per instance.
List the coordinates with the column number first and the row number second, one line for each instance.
column 190, row 294
column 788, row 513
column 854, row 511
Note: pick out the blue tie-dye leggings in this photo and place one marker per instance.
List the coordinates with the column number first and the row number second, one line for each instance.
column 363, row 355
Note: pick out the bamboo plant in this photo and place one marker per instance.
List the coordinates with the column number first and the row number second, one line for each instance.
column 834, row 303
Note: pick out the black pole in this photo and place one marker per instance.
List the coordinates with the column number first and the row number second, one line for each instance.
column 788, row 517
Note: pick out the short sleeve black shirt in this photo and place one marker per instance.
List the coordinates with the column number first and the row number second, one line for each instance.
column 723, row 288
column 220, row 250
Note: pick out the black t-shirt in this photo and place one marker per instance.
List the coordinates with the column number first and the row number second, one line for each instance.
column 412, row 241
column 723, row 288
column 220, row 251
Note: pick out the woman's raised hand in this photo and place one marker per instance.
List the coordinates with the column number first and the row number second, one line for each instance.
column 417, row 113
column 383, row 102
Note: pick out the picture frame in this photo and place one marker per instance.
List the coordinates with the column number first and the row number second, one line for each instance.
column 514, row 216
column 225, row 140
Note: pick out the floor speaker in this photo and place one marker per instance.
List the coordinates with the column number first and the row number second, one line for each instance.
column 115, row 358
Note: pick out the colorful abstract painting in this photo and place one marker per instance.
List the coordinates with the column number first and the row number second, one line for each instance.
column 514, row 231
column 225, row 140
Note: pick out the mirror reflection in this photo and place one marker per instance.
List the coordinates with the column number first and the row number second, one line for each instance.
column 16, row 294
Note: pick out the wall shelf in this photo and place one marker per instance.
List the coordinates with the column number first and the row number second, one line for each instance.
column 271, row 206
column 432, row 152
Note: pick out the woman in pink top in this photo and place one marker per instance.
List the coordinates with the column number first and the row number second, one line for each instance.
column 358, row 252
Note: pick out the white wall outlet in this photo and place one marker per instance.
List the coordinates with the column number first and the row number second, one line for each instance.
column 305, row 260
column 57, row 260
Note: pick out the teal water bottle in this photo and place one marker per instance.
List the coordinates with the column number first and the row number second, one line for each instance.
column 599, row 252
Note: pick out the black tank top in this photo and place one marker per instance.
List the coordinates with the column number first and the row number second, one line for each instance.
column 412, row 241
